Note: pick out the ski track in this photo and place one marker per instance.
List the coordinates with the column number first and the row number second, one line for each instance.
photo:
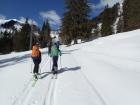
column 94, row 88
column 111, row 63
column 45, row 95
column 25, row 96
column 24, row 93
column 48, row 98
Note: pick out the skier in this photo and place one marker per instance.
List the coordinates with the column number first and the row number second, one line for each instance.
column 36, row 57
column 54, row 52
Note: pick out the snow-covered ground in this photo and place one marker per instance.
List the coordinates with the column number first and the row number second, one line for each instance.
column 105, row 71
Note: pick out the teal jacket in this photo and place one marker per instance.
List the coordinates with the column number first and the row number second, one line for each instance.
column 54, row 51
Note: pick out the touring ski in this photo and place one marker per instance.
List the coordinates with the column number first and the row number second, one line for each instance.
column 54, row 76
column 34, row 82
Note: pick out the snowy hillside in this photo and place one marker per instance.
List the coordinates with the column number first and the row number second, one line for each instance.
column 9, row 24
column 105, row 71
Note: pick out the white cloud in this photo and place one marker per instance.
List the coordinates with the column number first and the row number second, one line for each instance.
column 103, row 3
column 2, row 17
column 52, row 16
column 23, row 20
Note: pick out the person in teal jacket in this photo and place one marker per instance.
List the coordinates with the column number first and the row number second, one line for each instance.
column 54, row 52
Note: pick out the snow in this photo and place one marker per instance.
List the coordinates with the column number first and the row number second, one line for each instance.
column 9, row 30
column 2, row 29
column 30, row 21
column 105, row 71
column 36, row 33
column 99, row 29
column 120, row 16
column 120, row 11
column 115, row 25
column 100, row 26
column 3, row 21
column 17, row 26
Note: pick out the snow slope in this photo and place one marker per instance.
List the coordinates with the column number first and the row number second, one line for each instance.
column 105, row 71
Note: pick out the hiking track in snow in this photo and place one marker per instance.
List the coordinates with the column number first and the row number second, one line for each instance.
column 93, row 87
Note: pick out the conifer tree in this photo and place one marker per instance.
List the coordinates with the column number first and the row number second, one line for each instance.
column 106, row 23
column 131, row 14
column 23, row 37
column 109, row 16
column 16, row 41
column 45, row 33
column 6, row 43
column 75, row 23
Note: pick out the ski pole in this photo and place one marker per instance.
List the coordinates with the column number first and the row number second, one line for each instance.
column 50, row 63
column 60, row 63
column 31, row 67
column 39, row 69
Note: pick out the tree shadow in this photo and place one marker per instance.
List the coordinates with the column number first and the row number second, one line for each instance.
column 13, row 60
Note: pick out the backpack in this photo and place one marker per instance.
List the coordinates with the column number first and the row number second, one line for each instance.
column 54, row 50
column 35, row 51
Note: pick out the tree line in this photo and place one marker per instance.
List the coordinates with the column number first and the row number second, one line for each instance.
column 20, row 40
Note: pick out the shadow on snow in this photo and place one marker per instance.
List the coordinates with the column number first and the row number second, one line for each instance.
column 62, row 70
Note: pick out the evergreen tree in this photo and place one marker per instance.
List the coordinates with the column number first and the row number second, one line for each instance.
column 131, row 14
column 66, row 34
column 45, row 33
column 23, row 38
column 109, row 16
column 16, row 41
column 6, row 43
column 106, row 23
column 76, row 21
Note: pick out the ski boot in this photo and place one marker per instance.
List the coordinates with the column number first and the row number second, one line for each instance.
column 35, row 76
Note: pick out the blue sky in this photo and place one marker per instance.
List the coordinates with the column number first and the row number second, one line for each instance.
column 39, row 10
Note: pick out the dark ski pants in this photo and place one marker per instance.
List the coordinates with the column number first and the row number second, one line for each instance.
column 36, row 67
column 55, row 60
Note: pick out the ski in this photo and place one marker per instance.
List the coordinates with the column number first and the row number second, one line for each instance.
column 34, row 82
column 35, row 78
column 54, row 76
